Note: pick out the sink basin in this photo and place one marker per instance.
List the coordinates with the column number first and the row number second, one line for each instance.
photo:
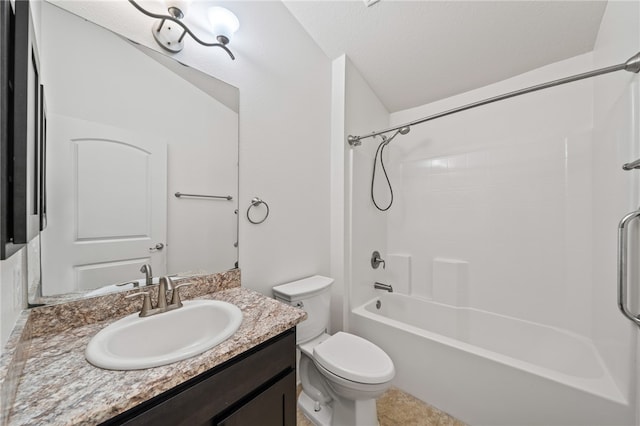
column 134, row 343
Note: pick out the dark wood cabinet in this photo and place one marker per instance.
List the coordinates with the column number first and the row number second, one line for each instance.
column 275, row 406
column 256, row 387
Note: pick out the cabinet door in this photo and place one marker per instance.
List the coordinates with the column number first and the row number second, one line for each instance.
column 276, row 406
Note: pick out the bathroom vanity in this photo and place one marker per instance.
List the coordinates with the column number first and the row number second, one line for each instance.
column 247, row 379
column 256, row 387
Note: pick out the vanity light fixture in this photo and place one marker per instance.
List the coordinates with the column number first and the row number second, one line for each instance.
column 223, row 23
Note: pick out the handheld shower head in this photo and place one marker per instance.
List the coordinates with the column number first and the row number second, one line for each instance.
column 403, row 131
column 385, row 141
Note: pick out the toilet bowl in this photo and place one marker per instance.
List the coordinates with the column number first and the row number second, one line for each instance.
column 341, row 374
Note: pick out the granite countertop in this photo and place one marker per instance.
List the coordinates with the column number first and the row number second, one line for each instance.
column 59, row 387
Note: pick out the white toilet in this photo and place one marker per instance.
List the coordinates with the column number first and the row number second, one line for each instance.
column 341, row 375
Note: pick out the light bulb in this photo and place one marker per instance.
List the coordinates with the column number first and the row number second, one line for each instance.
column 223, row 22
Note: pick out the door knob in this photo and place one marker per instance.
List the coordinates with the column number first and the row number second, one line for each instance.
column 158, row 247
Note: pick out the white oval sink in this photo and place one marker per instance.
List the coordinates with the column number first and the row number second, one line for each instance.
column 134, row 343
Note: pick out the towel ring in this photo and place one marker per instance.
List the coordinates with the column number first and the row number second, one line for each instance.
column 255, row 202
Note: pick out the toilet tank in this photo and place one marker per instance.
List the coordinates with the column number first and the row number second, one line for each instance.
column 313, row 295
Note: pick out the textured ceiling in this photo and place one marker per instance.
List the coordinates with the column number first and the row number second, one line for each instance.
column 415, row 52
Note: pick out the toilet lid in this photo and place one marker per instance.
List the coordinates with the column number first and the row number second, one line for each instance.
column 354, row 358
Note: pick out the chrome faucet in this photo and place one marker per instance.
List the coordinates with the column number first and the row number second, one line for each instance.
column 165, row 284
column 161, row 306
column 381, row 286
column 146, row 270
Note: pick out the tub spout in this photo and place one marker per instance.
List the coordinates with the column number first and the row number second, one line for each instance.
column 381, row 286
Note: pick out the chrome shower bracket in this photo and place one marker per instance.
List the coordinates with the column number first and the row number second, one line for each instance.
column 354, row 140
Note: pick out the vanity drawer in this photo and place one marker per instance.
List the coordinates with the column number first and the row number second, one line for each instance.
column 224, row 389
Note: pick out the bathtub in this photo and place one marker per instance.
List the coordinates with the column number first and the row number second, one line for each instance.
column 489, row 369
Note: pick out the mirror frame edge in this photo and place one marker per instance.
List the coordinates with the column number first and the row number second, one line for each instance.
column 14, row 37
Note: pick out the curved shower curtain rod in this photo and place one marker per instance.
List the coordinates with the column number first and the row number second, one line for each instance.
column 631, row 65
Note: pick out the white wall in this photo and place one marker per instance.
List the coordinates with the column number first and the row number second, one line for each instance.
column 357, row 229
column 615, row 192
column 364, row 113
column 201, row 233
column 285, row 110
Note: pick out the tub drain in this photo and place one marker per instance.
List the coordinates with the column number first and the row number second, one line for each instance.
column 378, row 304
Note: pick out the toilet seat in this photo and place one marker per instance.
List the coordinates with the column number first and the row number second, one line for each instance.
column 354, row 358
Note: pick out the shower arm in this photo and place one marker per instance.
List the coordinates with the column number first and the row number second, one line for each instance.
column 631, row 65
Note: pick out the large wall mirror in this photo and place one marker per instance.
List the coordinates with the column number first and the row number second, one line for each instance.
column 126, row 129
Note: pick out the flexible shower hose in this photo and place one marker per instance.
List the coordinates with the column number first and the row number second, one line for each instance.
column 380, row 151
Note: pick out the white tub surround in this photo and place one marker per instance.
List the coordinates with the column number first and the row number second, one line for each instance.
column 492, row 369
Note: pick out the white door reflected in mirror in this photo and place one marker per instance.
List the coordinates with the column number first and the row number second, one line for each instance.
column 109, row 207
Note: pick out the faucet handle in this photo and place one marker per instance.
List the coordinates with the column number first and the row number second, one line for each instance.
column 175, row 297
column 146, row 302
column 376, row 260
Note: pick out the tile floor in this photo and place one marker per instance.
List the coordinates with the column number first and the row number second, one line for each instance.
column 397, row 408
